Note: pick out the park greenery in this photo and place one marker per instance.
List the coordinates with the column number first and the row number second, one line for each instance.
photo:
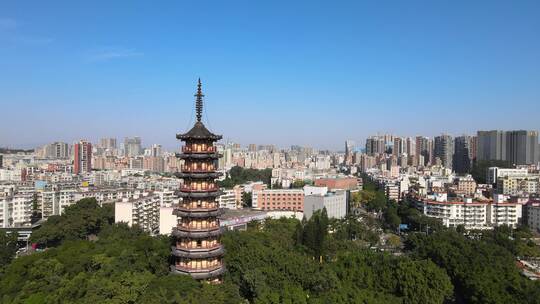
column 480, row 167
column 238, row 175
column 90, row 259
column 8, row 248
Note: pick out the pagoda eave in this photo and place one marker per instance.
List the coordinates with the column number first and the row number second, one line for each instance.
column 198, row 254
column 212, row 137
column 200, row 274
column 195, row 234
column 198, row 174
column 214, row 155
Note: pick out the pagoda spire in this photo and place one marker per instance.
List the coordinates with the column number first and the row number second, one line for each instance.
column 199, row 102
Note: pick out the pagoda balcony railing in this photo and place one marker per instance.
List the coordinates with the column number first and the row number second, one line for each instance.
column 198, row 269
column 199, row 214
column 188, row 149
column 198, row 253
column 195, row 248
column 188, row 169
column 198, row 209
column 196, row 234
column 196, row 189
column 195, row 229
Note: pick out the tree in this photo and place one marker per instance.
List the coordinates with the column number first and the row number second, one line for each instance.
column 314, row 232
column 422, row 282
column 79, row 221
column 482, row 271
column 479, row 169
column 247, row 200
column 8, row 248
column 238, row 175
column 394, row 241
column 297, row 184
column 391, row 218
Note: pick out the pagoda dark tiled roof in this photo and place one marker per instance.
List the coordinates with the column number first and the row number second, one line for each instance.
column 199, row 131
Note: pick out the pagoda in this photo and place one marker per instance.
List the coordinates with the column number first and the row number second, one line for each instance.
column 198, row 251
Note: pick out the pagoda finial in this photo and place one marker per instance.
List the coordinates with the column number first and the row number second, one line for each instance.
column 199, row 102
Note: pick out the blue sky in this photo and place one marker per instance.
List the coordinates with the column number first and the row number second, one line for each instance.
column 284, row 72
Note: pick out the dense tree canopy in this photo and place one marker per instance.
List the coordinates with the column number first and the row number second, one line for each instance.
column 319, row 260
column 479, row 169
column 481, row 271
column 125, row 265
column 238, row 175
column 78, row 221
column 8, row 248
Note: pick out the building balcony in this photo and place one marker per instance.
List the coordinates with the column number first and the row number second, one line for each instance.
column 198, row 253
column 199, row 273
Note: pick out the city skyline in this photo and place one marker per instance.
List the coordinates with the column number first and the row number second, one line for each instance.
column 355, row 145
column 319, row 74
column 212, row 152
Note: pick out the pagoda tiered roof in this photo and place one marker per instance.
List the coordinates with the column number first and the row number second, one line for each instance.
column 199, row 131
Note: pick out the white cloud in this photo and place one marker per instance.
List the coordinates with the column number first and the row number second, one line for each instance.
column 110, row 53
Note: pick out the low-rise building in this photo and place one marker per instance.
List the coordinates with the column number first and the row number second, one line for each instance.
column 516, row 185
column 15, row 210
column 228, row 199
column 392, row 191
column 494, row 173
column 473, row 214
column 334, row 202
column 345, row 183
column 141, row 210
column 532, row 210
column 465, row 186
column 281, row 199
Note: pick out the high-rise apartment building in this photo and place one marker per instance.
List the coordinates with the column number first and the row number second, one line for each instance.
column 491, row 145
column 474, row 147
column 400, row 146
column 349, row 147
column 55, row 150
column 82, row 152
column 423, row 151
column 462, row 159
column 108, row 143
column 198, row 250
column 156, row 150
column 517, row 147
column 61, row 150
column 444, row 149
column 375, row 145
column 522, row 147
column 132, row 146
column 410, row 146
